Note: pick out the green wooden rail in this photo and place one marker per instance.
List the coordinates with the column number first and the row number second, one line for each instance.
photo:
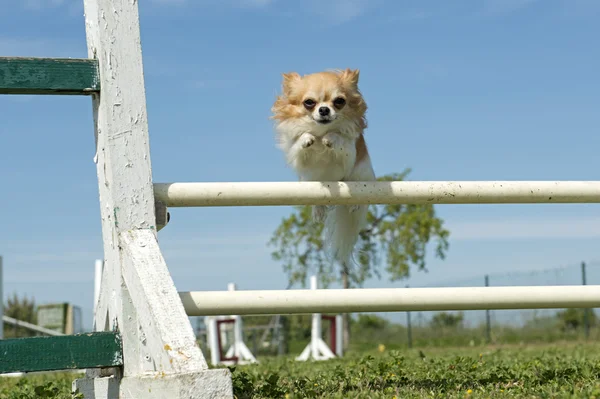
column 75, row 76
column 90, row 350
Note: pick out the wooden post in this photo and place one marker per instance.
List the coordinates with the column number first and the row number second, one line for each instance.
column 138, row 297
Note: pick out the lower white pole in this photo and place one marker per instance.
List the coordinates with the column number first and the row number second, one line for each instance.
column 316, row 325
column 339, row 335
column 237, row 328
column 213, row 341
column 389, row 299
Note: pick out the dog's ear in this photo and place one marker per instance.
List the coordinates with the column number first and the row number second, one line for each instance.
column 288, row 81
column 350, row 77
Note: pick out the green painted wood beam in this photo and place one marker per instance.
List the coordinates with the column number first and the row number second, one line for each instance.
column 74, row 76
column 90, row 350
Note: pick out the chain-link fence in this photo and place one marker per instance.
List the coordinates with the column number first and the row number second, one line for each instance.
column 509, row 326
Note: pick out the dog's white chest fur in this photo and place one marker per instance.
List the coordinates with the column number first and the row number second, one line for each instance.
column 319, row 153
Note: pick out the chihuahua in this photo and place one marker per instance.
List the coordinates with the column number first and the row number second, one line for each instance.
column 319, row 123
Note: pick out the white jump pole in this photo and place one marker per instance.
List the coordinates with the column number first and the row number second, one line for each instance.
column 237, row 329
column 1, row 300
column 395, row 192
column 339, row 336
column 213, row 340
column 315, row 335
column 316, row 349
column 31, row 327
column 389, row 299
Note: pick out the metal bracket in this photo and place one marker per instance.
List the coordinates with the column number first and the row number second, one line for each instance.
column 162, row 215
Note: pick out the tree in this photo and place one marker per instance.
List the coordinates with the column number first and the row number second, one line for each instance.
column 398, row 234
column 573, row 319
column 447, row 320
column 22, row 310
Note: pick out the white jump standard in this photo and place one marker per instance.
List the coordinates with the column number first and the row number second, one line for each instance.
column 161, row 358
column 238, row 352
column 317, row 349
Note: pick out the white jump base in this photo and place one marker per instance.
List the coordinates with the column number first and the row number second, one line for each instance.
column 208, row 303
column 356, row 193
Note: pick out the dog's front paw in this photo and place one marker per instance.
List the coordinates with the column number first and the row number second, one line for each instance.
column 307, row 140
column 331, row 140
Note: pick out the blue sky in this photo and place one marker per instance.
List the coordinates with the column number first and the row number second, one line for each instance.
column 461, row 90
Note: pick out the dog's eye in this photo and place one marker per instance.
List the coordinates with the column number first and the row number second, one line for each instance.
column 308, row 103
column 339, row 102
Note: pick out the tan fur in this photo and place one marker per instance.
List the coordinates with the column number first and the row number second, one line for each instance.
column 295, row 90
column 323, row 140
column 361, row 149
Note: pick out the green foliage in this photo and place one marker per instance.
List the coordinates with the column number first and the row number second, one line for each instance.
column 44, row 386
column 517, row 372
column 369, row 333
column 21, row 309
column 572, row 319
column 368, row 330
column 371, row 321
column 396, row 235
column 447, row 320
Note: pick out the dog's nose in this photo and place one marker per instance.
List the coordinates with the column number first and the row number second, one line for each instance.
column 324, row 111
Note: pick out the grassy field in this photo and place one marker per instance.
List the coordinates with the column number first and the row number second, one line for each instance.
column 560, row 370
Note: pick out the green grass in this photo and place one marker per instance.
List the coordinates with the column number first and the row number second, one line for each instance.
column 560, row 370
column 38, row 386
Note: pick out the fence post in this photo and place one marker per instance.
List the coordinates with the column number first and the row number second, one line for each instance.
column 586, row 314
column 488, row 324
column 408, row 329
